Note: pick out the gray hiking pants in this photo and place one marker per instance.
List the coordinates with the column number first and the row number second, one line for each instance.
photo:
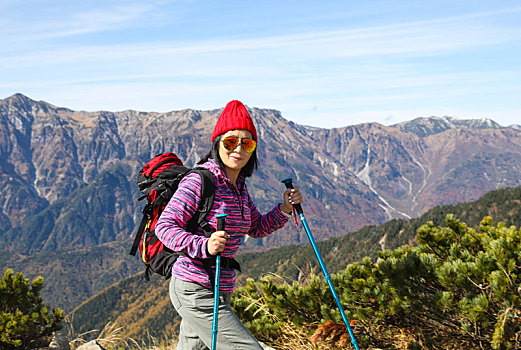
column 194, row 303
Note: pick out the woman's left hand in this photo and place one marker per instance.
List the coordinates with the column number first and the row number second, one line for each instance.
column 291, row 196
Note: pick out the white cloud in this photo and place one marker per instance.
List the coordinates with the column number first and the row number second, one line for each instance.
column 69, row 19
column 323, row 75
column 418, row 38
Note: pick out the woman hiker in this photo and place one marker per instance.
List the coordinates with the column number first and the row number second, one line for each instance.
column 232, row 158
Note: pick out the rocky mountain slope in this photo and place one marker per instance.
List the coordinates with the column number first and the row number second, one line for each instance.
column 68, row 177
column 416, row 165
column 364, row 174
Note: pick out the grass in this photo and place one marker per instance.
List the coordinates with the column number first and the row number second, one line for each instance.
column 112, row 338
column 328, row 336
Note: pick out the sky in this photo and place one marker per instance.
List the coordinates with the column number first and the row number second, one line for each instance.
column 321, row 63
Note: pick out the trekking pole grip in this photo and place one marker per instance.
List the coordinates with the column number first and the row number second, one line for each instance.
column 289, row 184
column 221, row 220
column 221, row 224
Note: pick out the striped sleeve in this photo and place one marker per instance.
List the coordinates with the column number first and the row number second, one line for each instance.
column 263, row 225
column 172, row 224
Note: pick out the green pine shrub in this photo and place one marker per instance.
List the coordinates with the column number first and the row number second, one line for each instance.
column 25, row 322
column 459, row 286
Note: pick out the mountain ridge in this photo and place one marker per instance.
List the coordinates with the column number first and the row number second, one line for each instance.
column 68, row 177
column 48, row 152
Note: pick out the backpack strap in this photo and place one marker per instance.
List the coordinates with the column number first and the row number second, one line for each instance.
column 207, row 198
column 141, row 229
column 139, row 233
column 228, row 263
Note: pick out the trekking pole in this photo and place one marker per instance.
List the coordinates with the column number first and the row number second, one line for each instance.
column 220, row 227
column 289, row 184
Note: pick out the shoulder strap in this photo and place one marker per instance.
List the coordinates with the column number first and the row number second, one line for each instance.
column 139, row 233
column 207, row 198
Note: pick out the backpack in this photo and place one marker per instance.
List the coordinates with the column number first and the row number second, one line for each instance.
column 158, row 180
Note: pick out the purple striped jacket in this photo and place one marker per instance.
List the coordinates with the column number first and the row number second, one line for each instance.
column 243, row 219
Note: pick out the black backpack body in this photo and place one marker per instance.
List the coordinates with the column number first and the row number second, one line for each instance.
column 158, row 180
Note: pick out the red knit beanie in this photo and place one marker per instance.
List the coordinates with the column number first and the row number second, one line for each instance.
column 233, row 117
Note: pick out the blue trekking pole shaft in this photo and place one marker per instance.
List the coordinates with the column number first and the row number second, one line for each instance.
column 289, row 184
column 220, row 227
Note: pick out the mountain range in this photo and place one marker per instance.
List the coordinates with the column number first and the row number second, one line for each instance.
column 68, row 203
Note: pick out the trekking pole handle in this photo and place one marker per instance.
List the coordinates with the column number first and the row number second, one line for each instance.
column 221, row 219
column 289, row 184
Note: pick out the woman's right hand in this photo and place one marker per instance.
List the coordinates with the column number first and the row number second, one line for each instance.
column 216, row 242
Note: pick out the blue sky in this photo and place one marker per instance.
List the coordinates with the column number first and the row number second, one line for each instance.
column 321, row 63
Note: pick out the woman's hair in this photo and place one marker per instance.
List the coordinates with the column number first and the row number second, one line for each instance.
column 246, row 171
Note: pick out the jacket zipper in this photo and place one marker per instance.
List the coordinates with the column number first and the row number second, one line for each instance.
column 239, row 197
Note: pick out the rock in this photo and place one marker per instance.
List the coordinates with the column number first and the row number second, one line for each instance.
column 92, row 345
column 266, row 347
column 59, row 342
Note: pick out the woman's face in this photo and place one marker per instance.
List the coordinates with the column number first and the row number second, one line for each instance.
column 236, row 158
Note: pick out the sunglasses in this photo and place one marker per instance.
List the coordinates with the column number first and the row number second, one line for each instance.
column 231, row 142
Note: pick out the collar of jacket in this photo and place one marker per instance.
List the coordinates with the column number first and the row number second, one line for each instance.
column 220, row 174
